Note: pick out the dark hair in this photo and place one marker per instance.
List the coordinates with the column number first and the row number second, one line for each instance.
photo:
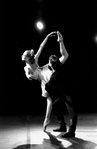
column 54, row 60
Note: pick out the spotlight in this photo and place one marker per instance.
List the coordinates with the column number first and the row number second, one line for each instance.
column 95, row 39
column 39, row 25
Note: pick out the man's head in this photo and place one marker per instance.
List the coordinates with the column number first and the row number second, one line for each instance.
column 54, row 62
column 28, row 56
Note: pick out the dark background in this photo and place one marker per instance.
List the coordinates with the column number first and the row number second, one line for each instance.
column 77, row 21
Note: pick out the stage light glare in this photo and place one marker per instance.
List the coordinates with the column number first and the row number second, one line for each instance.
column 40, row 25
column 94, row 38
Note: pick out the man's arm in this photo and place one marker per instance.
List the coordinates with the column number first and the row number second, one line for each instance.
column 63, row 51
column 42, row 46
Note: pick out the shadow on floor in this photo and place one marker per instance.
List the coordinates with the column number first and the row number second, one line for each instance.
column 54, row 143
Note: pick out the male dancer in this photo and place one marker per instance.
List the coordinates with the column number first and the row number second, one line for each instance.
column 61, row 84
column 62, row 59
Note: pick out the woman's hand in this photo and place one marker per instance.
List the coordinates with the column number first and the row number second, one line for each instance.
column 52, row 34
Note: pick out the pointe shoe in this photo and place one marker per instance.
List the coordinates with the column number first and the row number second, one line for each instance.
column 46, row 122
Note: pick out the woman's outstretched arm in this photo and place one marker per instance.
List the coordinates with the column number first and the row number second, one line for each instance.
column 42, row 45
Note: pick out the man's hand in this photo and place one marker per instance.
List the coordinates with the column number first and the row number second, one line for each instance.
column 60, row 37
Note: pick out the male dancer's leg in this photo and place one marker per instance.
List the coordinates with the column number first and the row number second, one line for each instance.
column 73, row 117
column 58, row 108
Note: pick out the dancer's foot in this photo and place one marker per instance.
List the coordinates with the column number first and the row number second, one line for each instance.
column 46, row 122
column 69, row 135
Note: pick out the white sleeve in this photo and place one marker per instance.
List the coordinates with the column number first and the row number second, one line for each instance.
column 27, row 72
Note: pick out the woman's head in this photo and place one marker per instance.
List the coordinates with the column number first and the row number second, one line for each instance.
column 54, row 61
column 31, row 64
column 28, row 56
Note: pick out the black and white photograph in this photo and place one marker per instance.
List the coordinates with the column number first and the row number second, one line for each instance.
column 48, row 74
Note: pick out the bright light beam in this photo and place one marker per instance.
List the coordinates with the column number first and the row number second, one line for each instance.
column 94, row 38
column 40, row 25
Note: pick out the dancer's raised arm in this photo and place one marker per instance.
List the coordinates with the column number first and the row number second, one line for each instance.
column 42, row 45
column 63, row 51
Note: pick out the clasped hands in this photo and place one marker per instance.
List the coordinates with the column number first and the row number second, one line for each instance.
column 60, row 37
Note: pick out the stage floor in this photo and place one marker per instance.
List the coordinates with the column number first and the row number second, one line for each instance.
column 26, row 133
